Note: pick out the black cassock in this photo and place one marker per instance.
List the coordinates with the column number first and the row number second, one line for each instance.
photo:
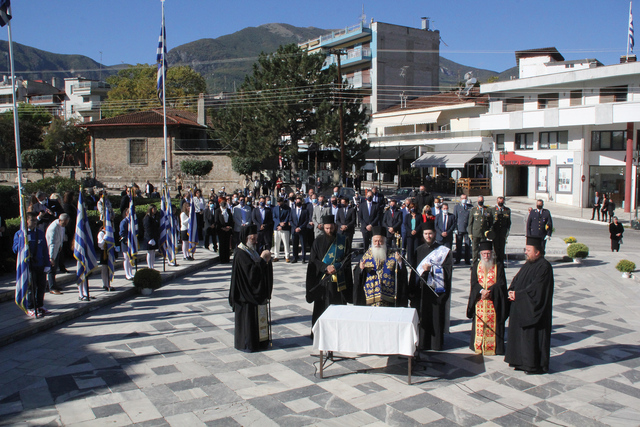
column 360, row 277
column 529, row 339
column 251, row 286
column 432, row 308
column 321, row 290
column 498, row 295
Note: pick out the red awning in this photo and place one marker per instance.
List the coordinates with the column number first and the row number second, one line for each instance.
column 513, row 159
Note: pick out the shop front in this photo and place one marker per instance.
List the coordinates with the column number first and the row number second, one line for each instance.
column 609, row 180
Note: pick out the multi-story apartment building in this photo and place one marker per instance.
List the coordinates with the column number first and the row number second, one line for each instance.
column 83, row 98
column 384, row 61
column 34, row 92
column 564, row 129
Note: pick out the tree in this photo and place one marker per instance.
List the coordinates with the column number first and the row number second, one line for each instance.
column 196, row 168
column 288, row 99
column 134, row 89
column 38, row 159
column 245, row 165
column 67, row 141
column 32, row 122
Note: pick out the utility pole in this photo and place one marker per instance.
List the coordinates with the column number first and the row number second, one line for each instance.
column 343, row 167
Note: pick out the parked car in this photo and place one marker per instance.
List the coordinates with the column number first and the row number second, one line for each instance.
column 401, row 194
column 343, row 192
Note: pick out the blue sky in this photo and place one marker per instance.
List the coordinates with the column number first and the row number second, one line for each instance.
column 479, row 34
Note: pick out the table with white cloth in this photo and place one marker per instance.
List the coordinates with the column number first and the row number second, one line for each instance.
column 367, row 330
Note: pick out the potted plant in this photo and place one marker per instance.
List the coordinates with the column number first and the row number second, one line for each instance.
column 146, row 280
column 569, row 240
column 577, row 251
column 626, row 267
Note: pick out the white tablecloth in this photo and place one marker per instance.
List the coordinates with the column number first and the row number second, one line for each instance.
column 367, row 330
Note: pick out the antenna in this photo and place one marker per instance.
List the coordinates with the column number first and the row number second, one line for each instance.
column 363, row 17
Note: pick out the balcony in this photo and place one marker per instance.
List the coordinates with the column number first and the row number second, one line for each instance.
column 87, row 106
column 422, row 136
column 88, row 88
column 352, row 57
column 344, row 35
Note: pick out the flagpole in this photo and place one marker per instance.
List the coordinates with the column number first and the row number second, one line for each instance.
column 164, row 100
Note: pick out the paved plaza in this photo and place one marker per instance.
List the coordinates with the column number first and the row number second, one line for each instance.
column 168, row 359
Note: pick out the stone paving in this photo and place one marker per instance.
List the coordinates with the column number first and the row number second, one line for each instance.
column 168, row 359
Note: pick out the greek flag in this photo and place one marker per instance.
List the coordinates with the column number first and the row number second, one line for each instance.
column 23, row 278
column 132, row 237
column 83, row 250
column 167, row 235
column 109, row 240
column 193, row 227
column 162, row 242
column 161, row 59
column 631, row 39
column 5, row 12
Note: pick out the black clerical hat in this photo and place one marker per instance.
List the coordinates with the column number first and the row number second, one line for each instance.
column 429, row 225
column 486, row 246
column 536, row 242
column 328, row 219
column 378, row 231
column 246, row 231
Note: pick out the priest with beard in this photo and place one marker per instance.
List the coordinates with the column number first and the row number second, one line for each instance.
column 430, row 288
column 531, row 296
column 329, row 279
column 250, row 292
column 488, row 305
column 380, row 279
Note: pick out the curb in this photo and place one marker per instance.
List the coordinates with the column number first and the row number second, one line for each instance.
column 51, row 322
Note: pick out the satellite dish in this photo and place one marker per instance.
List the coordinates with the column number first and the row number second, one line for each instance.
column 470, row 82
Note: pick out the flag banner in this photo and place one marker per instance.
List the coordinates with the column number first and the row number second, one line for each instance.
column 83, row 250
column 631, row 38
column 193, row 227
column 162, row 242
column 167, row 227
column 132, row 238
column 109, row 239
column 23, row 278
column 161, row 59
column 5, row 12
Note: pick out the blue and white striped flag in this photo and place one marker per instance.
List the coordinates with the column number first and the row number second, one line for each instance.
column 171, row 231
column 161, row 59
column 5, row 12
column 132, row 238
column 192, row 230
column 162, row 242
column 83, row 250
column 631, row 38
column 23, row 278
column 109, row 239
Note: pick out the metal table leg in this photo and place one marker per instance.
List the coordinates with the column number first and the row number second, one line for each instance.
column 409, row 373
column 321, row 364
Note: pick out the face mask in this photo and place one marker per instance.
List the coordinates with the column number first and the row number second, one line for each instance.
column 370, row 198
column 269, row 203
column 241, row 202
column 463, row 201
column 298, row 204
column 211, row 205
column 392, row 207
column 314, row 201
column 539, row 206
column 412, row 210
column 344, row 205
column 223, row 205
column 501, row 204
column 334, row 202
column 234, row 200
column 445, row 211
column 262, row 204
column 480, row 203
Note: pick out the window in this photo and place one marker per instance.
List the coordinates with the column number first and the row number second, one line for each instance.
column 542, row 179
column 500, row 142
column 524, row 141
column 575, row 97
column 554, row 140
column 608, row 140
column 513, row 104
column 548, row 100
column 564, row 179
column 137, row 151
column 613, row 94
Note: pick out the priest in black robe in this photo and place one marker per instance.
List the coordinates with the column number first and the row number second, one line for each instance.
column 488, row 306
column 250, row 292
column 380, row 279
column 531, row 296
column 430, row 288
column 329, row 279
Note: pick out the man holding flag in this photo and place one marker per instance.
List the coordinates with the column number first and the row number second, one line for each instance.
column 107, row 245
column 83, row 251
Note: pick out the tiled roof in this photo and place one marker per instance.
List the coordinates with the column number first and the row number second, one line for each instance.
column 149, row 118
column 443, row 99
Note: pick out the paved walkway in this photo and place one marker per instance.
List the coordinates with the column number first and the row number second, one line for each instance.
column 169, row 359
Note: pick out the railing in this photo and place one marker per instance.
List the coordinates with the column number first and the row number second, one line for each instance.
column 335, row 35
column 429, row 135
column 89, row 85
column 475, row 186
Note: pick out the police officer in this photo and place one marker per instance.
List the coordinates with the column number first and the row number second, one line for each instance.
column 501, row 227
column 480, row 223
column 540, row 223
column 461, row 212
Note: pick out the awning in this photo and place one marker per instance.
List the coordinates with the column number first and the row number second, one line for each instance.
column 405, row 119
column 513, row 159
column 445, row 160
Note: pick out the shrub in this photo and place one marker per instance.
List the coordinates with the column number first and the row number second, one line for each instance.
column 570, row 239
column 39, row 159
column 147, row 278
column 578, row 250
column 52, row 185
column 196, row 167
column 626, row 266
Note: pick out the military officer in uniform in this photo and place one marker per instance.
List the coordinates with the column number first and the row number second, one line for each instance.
column 540, row 224
column 501, row 227
column 479, row 228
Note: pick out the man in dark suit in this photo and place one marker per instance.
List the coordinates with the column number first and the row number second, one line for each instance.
column 461, row 212
column 299, row 227
column 501, row 228
column 540, row 224
column 262, row 218
column 392, row 223
column 378, row 199
column 597, row 202
column 445, row 224
column 369, row 216
column 208, row 215
column 346, row 223
column 423, row 198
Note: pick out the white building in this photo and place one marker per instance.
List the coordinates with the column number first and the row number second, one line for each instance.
column 560, row 131
column 84, row 98
column 34, row 92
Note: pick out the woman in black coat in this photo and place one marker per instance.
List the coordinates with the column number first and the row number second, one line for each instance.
column 605, row 207
column 611, row 207
column 412, row 223
column 224, row 227
column 616, row 230
column 151, row 235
